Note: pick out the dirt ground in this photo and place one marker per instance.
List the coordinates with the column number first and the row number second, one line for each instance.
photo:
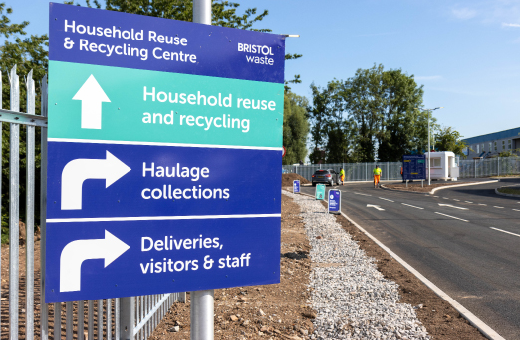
column 416, row 186
column 277, row 311
column 287, row 179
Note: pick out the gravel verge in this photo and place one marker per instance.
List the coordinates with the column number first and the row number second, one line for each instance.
column 352, row 298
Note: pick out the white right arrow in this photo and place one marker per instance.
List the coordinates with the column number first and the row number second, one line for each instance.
column 452, row 206
column 79, row 170
column 74, row 253
column 375, row 206
column 92, row 96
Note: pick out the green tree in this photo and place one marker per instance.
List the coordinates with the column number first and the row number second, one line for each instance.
column 27, row 53
column 364, row 103
column 448, row 139
column 318, row 116
column 295, row 128
column 223, row 13
column 382, row 106
column 400, row 123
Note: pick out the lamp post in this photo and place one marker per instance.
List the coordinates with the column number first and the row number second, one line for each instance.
column 429, row 151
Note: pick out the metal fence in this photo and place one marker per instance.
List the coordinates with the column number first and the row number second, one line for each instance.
column 353, row 171
column 28, row 317
column 468, row 168
column 498, row 166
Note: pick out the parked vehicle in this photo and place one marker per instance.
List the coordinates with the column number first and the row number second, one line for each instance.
column 328, row 176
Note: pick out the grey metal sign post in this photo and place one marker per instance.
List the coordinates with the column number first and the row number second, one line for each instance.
column 202, row 301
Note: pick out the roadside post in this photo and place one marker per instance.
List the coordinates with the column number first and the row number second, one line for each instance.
column 296, row 186
column 144, row 127
column 320, row 191
column 334, row 201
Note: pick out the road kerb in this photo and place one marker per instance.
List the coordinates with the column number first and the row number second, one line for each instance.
column 487, row 331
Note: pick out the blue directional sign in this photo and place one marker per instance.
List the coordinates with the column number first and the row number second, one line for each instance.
column 334, row 200
column 296, row 186
column 414, row 167
column 320, row 191
column 155, row 129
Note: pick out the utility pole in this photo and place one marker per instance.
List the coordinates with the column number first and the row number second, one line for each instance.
column 429, row 149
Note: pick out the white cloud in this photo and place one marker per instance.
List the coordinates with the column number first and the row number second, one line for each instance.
column 488, row 11
column 428, row 77
column 464, row 13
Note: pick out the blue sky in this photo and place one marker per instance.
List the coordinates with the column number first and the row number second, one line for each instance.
column 465, row 53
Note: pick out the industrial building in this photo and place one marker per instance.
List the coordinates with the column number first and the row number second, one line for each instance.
column 492, row 144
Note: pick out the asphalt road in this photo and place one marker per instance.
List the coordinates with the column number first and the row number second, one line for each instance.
column 465, row 240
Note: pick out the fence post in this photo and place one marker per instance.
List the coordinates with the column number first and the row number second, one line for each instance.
column 387, row 171
column 29, row 224
column 14, row 209
column 44, row 308
column 498, row 166
column 475, row 167
column 127, row 306
column 366, row 171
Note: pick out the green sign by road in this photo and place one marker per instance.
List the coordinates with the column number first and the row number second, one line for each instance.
column 320, row 191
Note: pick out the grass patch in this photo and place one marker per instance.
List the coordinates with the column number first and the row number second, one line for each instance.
column 505, row 176
column 510, row 190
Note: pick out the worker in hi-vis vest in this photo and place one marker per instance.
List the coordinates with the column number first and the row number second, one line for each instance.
column 342, row 176
column 377, row 176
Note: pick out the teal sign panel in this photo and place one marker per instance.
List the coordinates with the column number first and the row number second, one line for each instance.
column 162, row 107
column 320, row 191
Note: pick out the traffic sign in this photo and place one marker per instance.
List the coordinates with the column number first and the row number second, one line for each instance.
column 155, row 126
column 284, row 151
column 296, row 186
column 320, row 191
column 414, row 167
column 334, row 200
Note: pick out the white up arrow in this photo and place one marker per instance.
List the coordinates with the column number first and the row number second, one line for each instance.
column 74, row 253
column 78, row 170
column 375, row 206
column 91, row 95
column 452, row 206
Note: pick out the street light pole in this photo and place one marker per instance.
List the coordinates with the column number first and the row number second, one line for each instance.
column 429, row 149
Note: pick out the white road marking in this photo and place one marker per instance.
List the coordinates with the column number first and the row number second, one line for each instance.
column 468, row 202
column 451, row 216
column 412, row 206
column 445, row 198
column 438, row 197
column 386, row 199
column 516, row 210
column 375, row 206
column 456, row 200
column 507, row 232
column 482, row 204
column 452, row 206
column 358, row 193
column 498, row 207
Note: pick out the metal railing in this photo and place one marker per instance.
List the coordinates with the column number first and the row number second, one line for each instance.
column 353, row 171
column 126, row 318
column 468, row 168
